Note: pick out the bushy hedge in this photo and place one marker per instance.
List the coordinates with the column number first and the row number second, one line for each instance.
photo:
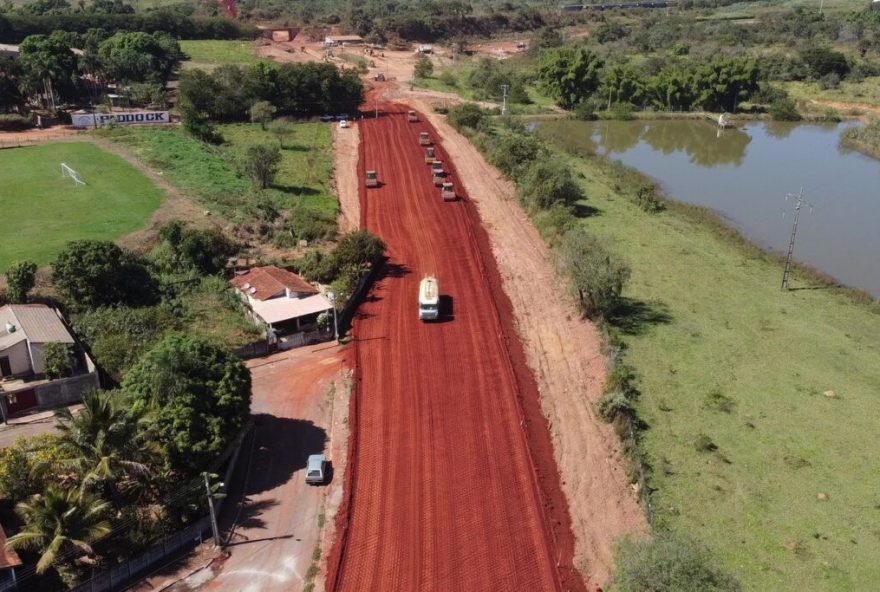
column 14, row 123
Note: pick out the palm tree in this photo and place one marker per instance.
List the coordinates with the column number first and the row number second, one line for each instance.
column 61, row 525
column 103, row 443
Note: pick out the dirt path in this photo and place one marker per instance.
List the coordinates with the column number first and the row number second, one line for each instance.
column 345, row 146
column 33, row 137
column 175, row 207
column 451, row 485
column 845, row 107
column 565, row 355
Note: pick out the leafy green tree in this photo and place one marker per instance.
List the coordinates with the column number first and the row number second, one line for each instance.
column 722, row 83
column 597, row 275
column 569, row 74
column 59, row 360
column 29, row 466
column 514, row 152
column 48, row 59
column 548, row 183
column 60, row 525
column 424, row 67
column 262, row 112
column 622, row 83
column 135, row 56
column 260, row 164
column 466, row 115
column 672, row 89
column 92, row 273
column 822, row 61
column 204, row 250
column 668, row 563
column 20, row 279
column 281, row 129
column 198, row 394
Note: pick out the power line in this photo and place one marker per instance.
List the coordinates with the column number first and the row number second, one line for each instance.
column 797, row 213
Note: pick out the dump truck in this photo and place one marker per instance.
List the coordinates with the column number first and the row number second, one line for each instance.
column 372, row 179
column 447, row 192
column 411, row 116
column 429, row 155
column 424, row 139
column 429, row 298
column 438, row 175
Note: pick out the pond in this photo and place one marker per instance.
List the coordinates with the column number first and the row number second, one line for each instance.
column 745, row 174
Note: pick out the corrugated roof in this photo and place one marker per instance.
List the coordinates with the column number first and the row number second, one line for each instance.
column 263, row 283
column 37, row 322
column 284, row 309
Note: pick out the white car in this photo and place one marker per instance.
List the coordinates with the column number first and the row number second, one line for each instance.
column 343, row 124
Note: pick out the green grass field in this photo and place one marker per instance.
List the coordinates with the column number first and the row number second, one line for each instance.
column 212, row 53
column 721, row 351
column 42, row 210
column 866, row 91
column 208, row 173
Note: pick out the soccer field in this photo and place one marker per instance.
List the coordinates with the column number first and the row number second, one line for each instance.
column 43, row 210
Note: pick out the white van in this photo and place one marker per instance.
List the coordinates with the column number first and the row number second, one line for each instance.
column 429, row 299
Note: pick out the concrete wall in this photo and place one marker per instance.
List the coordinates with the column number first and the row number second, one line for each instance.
column 66, row 391
column 37, row 358
column 19, row 358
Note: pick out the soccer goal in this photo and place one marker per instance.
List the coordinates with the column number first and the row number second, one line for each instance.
column 66, row 171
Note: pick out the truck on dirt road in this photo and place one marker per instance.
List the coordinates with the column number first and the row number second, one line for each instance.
column 411, row 116
column 429, row 298
column 424, row 139
column 429, row 155
column 447, row 192
column 372, row 180
column 438, row 175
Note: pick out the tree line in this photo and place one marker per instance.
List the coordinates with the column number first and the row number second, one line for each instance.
column 301, row 90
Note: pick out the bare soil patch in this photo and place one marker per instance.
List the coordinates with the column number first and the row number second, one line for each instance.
column 345, row 147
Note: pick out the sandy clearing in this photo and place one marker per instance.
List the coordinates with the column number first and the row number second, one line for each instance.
column 345, row 147
column 846, row 107
column 564, row 352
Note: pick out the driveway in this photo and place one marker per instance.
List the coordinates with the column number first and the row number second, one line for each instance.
column 272, row 521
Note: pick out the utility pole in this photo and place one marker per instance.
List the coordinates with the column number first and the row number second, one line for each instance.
column 504, row 89
column 214, row 527
column 797, row 213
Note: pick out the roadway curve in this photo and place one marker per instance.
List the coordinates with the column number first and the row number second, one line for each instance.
column 452, row 483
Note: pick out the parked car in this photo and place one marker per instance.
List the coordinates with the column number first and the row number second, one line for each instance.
column 316, row 469
column 342, row 116
column 327, row 118
column 343, row 124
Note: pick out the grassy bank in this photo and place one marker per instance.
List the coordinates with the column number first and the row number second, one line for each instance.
column 209, row 173
column 864, row 139
column 758, row 403
column 43, row 210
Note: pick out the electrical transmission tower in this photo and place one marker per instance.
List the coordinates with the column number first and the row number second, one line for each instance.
column 797, row 213
column 504, row 89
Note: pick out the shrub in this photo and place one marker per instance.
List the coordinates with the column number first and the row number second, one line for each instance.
column 260, row 164
column 823, row 61
column 646, row 198
column 20, row 279
column 586, row 110
column 27, row 467
column 666, row 562
column 549, row 183
column 597, row 276
column 59, row 360
column 466, row 115
column 423, row 68
column 784, row 110
column 704, row 443
column 448, row 79
column 829, row 81
column 200, row 129
column 512, row 153
column 10, row 122
column 262, row 112
column 715, row 400
column 612, row 404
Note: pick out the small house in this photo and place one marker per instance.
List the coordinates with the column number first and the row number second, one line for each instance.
column 282, row 302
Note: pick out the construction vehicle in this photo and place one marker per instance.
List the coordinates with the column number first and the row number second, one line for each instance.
column 424, row 139
column 411, row 116
column 438, row 175
column 429, row 298
column 429, row 155
column 372, row 179
column 447, row 192
column 379, row 77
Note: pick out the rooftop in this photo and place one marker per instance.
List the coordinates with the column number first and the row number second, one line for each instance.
column 37, row 323
column 263, row 283
column 284, row 309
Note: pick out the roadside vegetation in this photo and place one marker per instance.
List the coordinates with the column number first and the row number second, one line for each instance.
column 735, row 421
column 49, row 210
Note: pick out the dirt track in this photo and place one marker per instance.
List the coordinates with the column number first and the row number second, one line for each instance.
column 447, row 432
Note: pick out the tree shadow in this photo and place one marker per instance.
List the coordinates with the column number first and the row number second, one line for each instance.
column 295, row 148
column 247, row 514
column 635, row 317
column 297, row 190
column 582, row 210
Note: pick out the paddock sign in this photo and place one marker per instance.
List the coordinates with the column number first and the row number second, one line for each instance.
column 127, row 118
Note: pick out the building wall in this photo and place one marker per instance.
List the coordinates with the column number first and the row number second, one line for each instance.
column 19, row 359
column 66, row 390
column 37, row 356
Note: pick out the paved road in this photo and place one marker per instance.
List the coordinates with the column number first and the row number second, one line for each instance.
column 444, row 496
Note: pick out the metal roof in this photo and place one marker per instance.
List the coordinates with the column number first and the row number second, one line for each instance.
column 37, row 323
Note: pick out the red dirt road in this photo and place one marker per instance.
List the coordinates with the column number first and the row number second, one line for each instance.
column 452, row 483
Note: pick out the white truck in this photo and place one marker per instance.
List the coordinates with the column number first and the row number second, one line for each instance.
column 424, row 139
column 429, row 298
column 411, row 116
